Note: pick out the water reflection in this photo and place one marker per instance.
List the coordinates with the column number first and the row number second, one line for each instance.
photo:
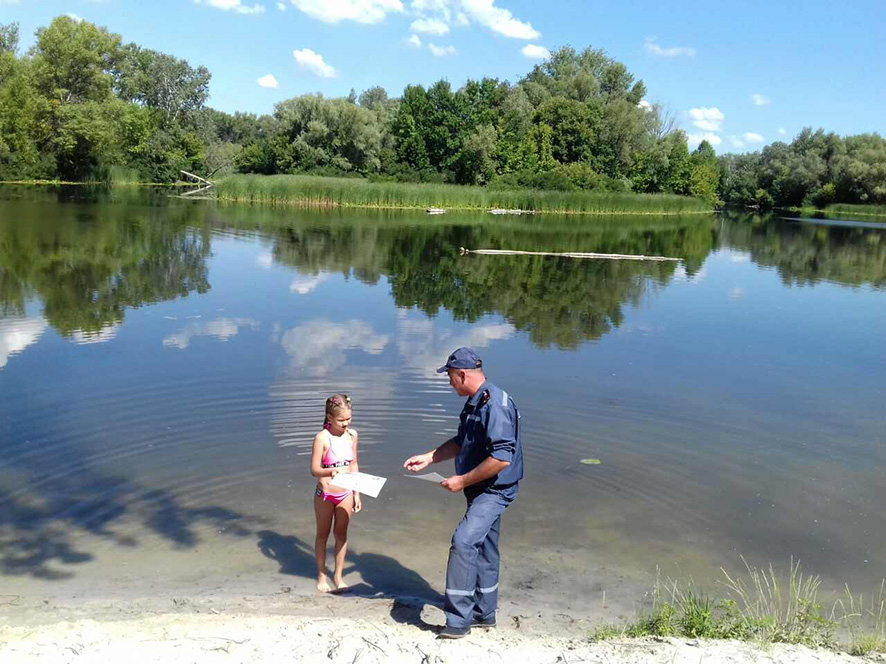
column 806, row 254
column 220, row 328
column 319, row 346
column 88, row 264
column 17, row 333
column 698, row 392
column 421, row 344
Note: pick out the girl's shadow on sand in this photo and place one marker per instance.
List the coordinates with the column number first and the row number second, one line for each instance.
column 383, row 576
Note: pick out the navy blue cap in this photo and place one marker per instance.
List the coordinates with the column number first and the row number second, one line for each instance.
column 462, row 358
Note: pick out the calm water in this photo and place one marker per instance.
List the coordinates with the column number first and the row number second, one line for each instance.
column 164, row 363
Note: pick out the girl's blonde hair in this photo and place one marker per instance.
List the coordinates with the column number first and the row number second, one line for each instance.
column 334, row 405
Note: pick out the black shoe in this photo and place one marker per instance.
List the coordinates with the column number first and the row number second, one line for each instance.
column 484, row 622
column 453, row 632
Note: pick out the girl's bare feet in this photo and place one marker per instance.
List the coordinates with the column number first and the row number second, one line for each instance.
column 340, row 586
column 323, row 584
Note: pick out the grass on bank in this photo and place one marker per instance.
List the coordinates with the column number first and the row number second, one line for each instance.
column 863, row 210
column 317, row 191
column 764, row 608
column 842, row 210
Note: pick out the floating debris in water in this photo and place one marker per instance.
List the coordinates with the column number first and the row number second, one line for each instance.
column 504, row 211
column 591, row 462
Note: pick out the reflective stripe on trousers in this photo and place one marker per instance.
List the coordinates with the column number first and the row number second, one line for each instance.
column 472, row 571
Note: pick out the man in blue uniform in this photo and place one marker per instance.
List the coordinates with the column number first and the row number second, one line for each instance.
column 488, row 466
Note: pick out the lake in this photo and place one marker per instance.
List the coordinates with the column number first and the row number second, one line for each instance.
column 164, row 365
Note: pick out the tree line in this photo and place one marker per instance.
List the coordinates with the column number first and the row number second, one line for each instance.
column 816, row 169
column 82, row 105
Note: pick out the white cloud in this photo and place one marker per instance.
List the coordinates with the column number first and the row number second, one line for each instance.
column 782, row 131
column 736, row 142
column 654, row 49
column 267, row 81
column 535, row 52
column 304, row 284
column 220, row 328
column 16, row 334
column 236, row 6
column 751, row 137
column 361, row 11
column 264, row 260
column 759, row 100
column 281, row 6
column 707, row 119
column 414, row 41
column 429, row 26
column 498, row 20
column 74, row 17
column 441, row 6
column 645, row 105
column 319, row 346
column 441, row 51
column 710, row 137
column 313, row 62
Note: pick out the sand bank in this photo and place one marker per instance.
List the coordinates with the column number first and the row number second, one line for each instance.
column 338, row 631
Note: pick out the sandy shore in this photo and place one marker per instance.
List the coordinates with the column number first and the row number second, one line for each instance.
column 336, row 630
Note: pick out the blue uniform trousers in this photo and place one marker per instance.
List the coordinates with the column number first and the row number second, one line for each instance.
column 472, row 571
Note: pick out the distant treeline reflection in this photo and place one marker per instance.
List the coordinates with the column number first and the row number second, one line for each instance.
column 88, row 263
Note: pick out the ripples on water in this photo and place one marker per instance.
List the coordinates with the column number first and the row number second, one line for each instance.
column 163, row 371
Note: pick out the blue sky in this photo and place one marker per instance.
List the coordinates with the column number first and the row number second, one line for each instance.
column 740, row 74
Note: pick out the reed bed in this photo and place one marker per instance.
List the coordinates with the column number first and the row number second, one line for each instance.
column 862, row 210
column 316, row 191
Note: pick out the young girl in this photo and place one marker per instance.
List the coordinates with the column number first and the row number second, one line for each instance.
column 335, row 451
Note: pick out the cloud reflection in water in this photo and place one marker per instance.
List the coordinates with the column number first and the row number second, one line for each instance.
column 18, row 333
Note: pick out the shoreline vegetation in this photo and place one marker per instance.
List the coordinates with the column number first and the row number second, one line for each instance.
column 763, row 608
column 876, row 211
column 314, row 191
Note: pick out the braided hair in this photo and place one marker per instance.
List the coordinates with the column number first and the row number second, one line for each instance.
column 334, row 405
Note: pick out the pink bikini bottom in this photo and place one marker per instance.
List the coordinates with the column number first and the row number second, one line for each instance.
column 334, row 498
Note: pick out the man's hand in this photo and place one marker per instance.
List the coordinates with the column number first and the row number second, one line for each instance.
column 454, row 484
column 418, row 462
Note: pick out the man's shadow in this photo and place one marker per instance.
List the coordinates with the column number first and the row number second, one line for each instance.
column 383, row 576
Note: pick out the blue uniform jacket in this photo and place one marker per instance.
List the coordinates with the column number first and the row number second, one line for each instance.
column 489, row 426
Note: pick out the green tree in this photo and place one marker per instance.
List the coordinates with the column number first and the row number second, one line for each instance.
column 571, row 128
column 8, row 37
column 162, row 82
column 73, row 61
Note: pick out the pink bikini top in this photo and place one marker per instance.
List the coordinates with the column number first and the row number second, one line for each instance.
column 340, row 451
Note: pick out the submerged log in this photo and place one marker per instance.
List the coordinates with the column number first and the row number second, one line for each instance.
column 575, row 254
column 504, row 211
